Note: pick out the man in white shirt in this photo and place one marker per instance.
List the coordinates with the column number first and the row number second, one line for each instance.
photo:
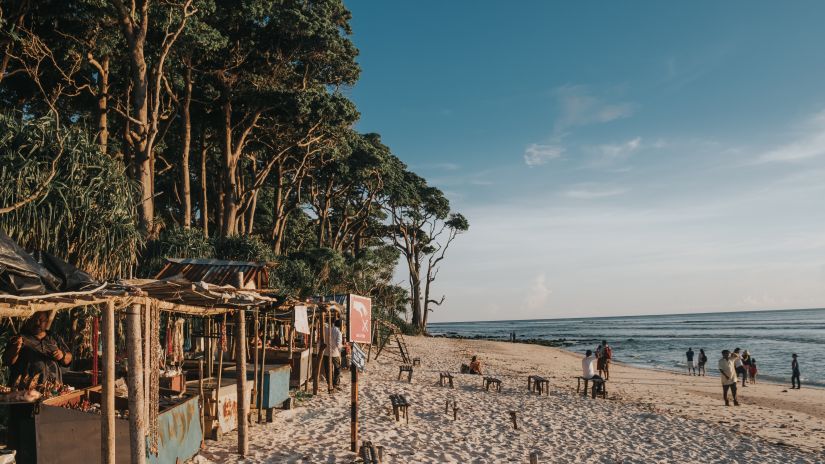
column 727, row 372
column 333, row 342
column 588, row 365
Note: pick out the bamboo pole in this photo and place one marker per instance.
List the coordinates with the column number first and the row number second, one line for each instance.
column 137, row 425
column 240, row 366
column 107, row 404
column 310, row 344
column 263, row 361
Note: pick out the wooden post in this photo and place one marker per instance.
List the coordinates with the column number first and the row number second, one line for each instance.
column 137, row 426
column 240, row 370
column 240, row 366
column 354, row 408
column 291, row 329
column 514, row 418
column 107, row 404
column 255, row 359
column 217, row 389
column 95, row 344
column 147, row 355
column 534, row 458
column 263, row 362
column 202, row 399
column 320, row 354
column 328, row 333
column 210, row 357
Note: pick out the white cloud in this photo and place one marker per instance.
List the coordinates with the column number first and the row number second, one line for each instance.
column 536, row 154
column 538, row 293
column 621, row 149
column 590, row 193
column 580, row 108
column 809, row 144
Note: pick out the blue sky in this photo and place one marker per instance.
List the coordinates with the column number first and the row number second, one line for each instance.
column 612, row 158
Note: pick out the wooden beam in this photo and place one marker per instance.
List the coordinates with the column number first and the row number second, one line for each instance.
column 107, row 404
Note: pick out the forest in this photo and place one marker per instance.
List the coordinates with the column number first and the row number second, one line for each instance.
column 135, row 130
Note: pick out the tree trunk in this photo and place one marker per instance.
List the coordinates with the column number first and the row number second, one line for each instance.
column 204, row 197
column 103, row 107
column 141, row 155
column 187, row 140
column 229, row 218
column 107, row 404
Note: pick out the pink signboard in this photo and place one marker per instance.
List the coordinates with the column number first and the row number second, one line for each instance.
column 360, row 319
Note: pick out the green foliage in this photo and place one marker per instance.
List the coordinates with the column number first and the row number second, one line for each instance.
column 174, row 243
column 86, row 212
column 243, row 248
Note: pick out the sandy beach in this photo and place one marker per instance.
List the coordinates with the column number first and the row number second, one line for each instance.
column 649, row 415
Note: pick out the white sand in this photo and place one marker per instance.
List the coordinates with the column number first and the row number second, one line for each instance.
column 649, row 416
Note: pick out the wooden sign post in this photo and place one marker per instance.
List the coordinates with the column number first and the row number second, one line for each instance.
column 360, row 319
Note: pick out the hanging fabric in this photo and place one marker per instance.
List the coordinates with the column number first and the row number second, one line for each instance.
column 176, row 356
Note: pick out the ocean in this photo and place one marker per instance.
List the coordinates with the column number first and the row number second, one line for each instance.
column 661, row 341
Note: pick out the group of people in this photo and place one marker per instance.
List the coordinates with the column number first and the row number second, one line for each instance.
column 732, row 365
column 598, row 361
column 696, row 363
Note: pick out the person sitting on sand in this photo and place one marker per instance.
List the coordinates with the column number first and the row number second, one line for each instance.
column 727, row 371
column 703, row 359
column 475, row 366
column 691, row 362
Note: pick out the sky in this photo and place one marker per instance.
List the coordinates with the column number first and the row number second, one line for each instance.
column 612, row 158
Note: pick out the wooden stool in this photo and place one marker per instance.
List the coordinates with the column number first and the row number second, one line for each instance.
column 538, row 384
column 400, row 407
column 496, row 383
column 416, row 361
column 445, row 375
column 599, row 387
column 455, row 408
column 405, row 368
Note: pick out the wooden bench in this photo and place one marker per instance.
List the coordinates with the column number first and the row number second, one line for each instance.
column 399, row 407
column 599, row 386
column 416, row 361
column 538, row 384
column 445, row 375
column 494, row 382
column 405, row 368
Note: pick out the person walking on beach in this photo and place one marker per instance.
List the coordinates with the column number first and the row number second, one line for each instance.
column 333, row 341
column 691, row 363
column 703, row 359
column 795, row 373
column 604, row 355
column 753, row 370
column 727, row 371
column 746, row 366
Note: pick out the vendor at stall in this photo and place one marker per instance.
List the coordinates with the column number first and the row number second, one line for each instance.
column 35, row 351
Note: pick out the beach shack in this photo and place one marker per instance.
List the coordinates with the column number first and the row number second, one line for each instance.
column 127, row 424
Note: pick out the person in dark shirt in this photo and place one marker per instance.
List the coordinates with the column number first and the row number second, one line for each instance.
column 795, row 373
column 35, row 352
column 691, row 363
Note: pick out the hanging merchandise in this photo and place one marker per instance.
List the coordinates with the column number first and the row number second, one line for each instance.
column 176, row 356
column 223, row 336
